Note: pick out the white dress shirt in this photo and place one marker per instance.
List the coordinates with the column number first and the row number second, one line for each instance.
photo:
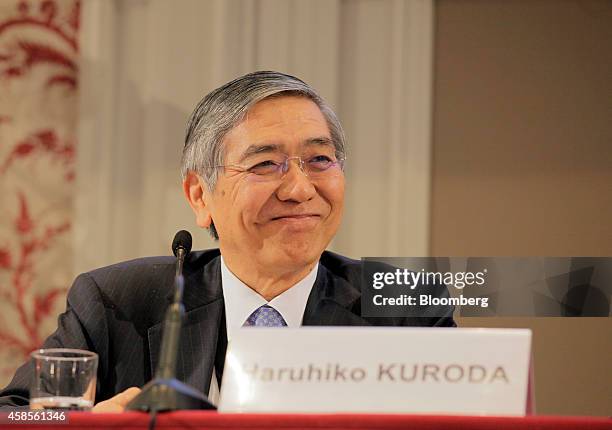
column 241, row 301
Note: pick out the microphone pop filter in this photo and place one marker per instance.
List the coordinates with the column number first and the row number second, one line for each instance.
column 182, row 239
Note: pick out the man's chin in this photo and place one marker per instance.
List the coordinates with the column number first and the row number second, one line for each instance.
column 295, row 255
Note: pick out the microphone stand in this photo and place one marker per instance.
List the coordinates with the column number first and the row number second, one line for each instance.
column 165, row 392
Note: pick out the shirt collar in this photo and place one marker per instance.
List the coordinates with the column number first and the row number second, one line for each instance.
column 241, row 301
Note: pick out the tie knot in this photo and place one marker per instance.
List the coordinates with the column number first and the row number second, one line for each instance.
column 265, row 316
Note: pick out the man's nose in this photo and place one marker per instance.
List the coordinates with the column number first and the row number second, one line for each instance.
column 295, row 185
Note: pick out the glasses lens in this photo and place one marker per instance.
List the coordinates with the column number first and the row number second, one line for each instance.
column 314, row 168
column 323, row 168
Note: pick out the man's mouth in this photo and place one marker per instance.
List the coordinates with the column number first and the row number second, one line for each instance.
column 296, row 217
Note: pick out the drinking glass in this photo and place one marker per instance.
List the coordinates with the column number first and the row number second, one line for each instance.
column 64, row 379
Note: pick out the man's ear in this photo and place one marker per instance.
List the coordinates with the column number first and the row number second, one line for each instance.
column 196, row 194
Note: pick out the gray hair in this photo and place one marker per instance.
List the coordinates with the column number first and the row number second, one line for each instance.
column 224, row 108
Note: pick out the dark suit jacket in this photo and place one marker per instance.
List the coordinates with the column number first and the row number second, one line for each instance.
column 118, row 311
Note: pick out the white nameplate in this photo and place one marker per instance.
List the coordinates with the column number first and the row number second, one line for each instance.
column 377, row 369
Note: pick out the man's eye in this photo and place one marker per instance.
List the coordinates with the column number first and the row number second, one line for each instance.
column 264, row 167
column 320, row 161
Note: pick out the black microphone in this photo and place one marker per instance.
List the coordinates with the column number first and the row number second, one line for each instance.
column 165, row 392
column 166, row 368
column 181, row 247
column 182, row 240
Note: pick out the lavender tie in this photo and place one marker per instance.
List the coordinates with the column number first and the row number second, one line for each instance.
column 265, row 316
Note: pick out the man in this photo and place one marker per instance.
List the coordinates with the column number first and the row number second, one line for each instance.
column 263, row 171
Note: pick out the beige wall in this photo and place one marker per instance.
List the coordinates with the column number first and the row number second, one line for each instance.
column 522, row 163
column 370, row 59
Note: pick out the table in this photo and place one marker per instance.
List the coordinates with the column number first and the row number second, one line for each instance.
column 214, row 420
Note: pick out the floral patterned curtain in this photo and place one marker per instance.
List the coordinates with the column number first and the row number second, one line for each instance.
column 38, row 106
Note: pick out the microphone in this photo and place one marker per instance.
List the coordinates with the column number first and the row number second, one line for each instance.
column 165, row 392
column 182, row 240
column 181, row 247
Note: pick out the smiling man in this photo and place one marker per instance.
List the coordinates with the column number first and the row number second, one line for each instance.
column 263, row 170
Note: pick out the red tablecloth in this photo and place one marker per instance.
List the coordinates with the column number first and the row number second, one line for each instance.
column 213, row 420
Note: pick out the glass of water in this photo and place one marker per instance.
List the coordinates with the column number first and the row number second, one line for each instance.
column 64, row 379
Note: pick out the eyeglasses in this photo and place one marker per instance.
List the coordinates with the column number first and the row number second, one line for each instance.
column 275, row 167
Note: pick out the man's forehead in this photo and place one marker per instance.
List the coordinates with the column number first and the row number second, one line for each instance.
column 280, row 121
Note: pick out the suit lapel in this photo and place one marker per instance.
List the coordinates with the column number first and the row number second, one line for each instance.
column 200, row 338
column 333, row 301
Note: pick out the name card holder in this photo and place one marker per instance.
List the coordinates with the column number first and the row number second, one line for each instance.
column 378, row 370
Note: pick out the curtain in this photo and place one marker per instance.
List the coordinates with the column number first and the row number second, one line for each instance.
column 38, row 111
